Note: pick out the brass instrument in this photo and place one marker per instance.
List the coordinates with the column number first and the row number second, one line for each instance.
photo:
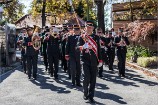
column 36, row 40
column 122, row 42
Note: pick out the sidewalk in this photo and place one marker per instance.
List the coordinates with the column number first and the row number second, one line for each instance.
column 149, row 72
column 4, row 70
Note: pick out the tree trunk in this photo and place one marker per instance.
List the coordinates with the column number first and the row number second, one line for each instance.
column 100, row 14
column 43, row 13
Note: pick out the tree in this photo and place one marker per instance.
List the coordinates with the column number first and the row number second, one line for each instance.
column 13, row 11
column 62, row 8
column 100, row 14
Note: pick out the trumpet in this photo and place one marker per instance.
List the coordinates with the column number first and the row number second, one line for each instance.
column 122, row 42
column 36, row 40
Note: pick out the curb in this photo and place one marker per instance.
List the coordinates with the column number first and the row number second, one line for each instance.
column 15, row 66
column 152, row 73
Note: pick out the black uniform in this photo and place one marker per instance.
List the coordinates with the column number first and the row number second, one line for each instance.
column 64, row 62
column 74, row 54
column 23, row 52
column 90, row 62
column 53, row 55
column 32, row 57
column 44, row 50
column 121, row 54
column 111, row 52
column 103, row 54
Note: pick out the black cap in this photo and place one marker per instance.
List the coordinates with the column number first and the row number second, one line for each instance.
column 120, row 29
column 46, row 27
column 110, row 32
column 76, row 26
column 64, row 25
column 29, row 28
column 70, row 26
column 89, row 23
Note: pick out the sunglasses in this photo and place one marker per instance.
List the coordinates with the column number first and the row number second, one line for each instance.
column 76, row 28
column 89, row 25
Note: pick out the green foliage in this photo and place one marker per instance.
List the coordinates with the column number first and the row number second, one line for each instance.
column 147, row 61
column 140, row 51
column 13, row 11
column 59, row 7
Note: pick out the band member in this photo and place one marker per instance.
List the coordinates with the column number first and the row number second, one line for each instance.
column 63, row 43
column 121, row 42
column 89, row 45
column 110, row 50
column 53, row 52
column 44, row 47
column 32, row 55
column 73, row 55
column 113, row 32
column 21, row 40
column 103, row 49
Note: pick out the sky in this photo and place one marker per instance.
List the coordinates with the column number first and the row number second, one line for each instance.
column 27, row 3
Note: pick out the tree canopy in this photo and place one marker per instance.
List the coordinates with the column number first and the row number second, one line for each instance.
column 62, row 7
column 13, row 11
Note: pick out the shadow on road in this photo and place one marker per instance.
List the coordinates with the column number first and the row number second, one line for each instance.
column 109, row 96
column 130, row 75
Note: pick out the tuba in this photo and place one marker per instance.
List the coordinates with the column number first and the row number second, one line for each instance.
column 36, row 40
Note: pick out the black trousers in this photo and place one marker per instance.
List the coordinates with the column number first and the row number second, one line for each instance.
column 121, row 55
column 89, row 74
column 32, row 62
column 75, row 68
column 24, row 59
column 64, row 63
column 111, row 57
column 53, row 62
column 105, row 60
column 45, row 58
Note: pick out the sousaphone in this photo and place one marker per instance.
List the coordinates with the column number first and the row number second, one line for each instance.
column 36, row 40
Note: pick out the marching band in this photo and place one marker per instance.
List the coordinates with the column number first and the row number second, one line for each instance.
column 80, row 51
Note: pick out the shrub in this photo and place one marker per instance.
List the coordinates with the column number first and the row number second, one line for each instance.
column 147, row 61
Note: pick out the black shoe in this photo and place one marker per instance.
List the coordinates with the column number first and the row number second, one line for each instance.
column 100, row 75
column 119, row 74
column 51, row 75
column 79, row 85
column 123, row 75
column 72, row 84
column 55, row 77
column 91, row 100
column 85, row 97
column 35, row 78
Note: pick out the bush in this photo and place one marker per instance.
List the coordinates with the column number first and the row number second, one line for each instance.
column 147, row 61
column 139, row 51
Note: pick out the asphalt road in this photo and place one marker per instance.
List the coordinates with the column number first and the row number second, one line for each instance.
column 135, row 89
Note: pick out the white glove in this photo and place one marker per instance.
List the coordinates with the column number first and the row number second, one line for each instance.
column 100, row 64
column 85, row 46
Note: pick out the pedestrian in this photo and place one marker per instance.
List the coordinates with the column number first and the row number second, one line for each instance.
column 89, row 45
column 21, row 40
column 32, row 54
column 73, row 55
column 53, row 52
column 110, row 50
column 121, row 43
column 103, row 49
